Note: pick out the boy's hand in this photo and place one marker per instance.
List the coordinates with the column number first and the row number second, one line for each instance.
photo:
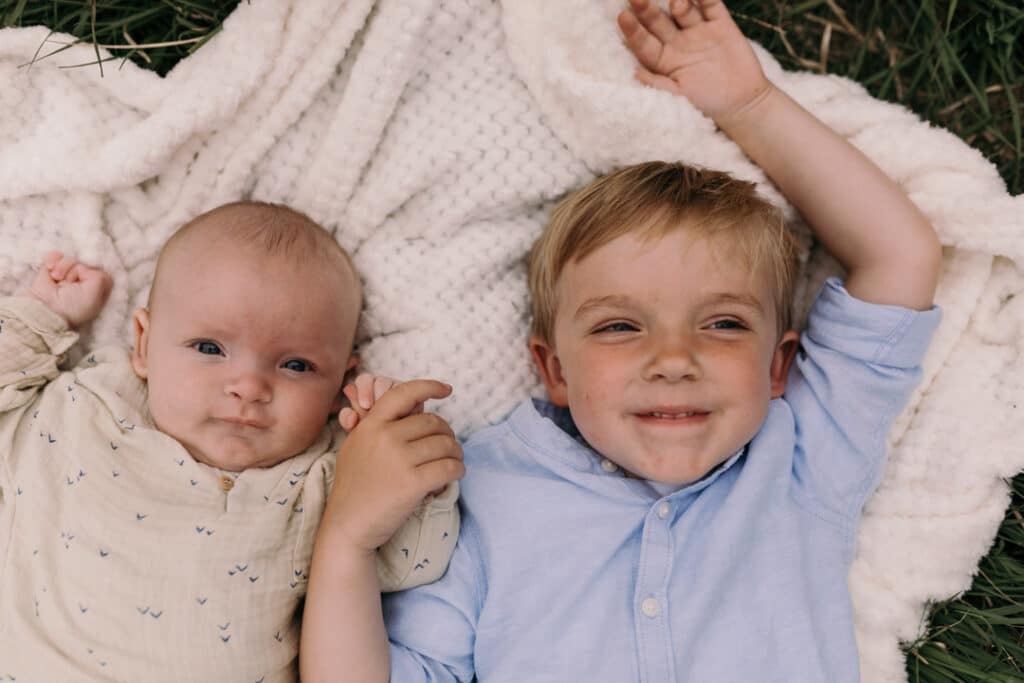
column 362, row 394
column 389, row 463
column 71, row 289
column 697, row 51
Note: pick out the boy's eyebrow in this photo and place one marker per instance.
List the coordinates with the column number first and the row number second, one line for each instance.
column 613, row 301
column 610, row 301
column 743, row 299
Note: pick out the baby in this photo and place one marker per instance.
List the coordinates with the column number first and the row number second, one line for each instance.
column 684, row 506
column 158, row 506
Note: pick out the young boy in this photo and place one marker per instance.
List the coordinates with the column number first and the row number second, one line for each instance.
column 158, row 506
column 685, row 505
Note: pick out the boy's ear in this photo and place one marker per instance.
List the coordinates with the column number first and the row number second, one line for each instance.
column 140, row 352
column 785, row 352
column 339, row 401
column 550, row 369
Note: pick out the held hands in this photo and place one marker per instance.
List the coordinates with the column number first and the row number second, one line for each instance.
column 392, row 459
column 362, row 394
column 71, row 289
column 697, row 51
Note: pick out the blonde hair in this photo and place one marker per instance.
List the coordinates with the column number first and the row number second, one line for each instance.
column 274, row 229
column 654, row 199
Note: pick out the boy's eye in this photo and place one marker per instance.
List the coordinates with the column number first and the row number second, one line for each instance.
column 207, row 348
column 297, row 365
column 728, row 324
column 617, row 327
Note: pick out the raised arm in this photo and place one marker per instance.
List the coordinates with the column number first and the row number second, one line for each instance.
column 387, row 465
column 36, row 326
column 888, row 248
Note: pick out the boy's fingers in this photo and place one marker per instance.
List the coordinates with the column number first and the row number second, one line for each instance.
column 714, row 10
column 644, row 46
column 421, row 426
column 403, row 398
column 656, row 80
column 437, row 474
column 659, row 24
column 433, row 448
column 51, row 258
column 687, row 13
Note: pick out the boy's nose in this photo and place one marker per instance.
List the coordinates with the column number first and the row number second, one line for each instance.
column 672, row 360
column 250, row 387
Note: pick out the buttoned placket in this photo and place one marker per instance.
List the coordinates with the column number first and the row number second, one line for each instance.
column 653, row 634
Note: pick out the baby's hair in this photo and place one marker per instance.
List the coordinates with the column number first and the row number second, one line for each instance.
column 652, row 200
column 274, row 229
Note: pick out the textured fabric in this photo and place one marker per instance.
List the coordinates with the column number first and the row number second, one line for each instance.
column 738, row 577
column 431, row 137
column 123, row 559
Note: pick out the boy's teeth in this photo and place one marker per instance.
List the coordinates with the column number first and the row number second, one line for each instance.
column 674, row 416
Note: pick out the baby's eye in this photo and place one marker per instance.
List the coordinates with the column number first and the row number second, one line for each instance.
column 207, row 348
column 617, row 327
column 297, row 365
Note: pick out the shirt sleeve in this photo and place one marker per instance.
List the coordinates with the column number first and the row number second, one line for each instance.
column 419, row 551
column 432, row 628
column 857, row 365
column 33, row 341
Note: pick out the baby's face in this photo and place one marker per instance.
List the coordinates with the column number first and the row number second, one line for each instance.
column 666, row 353
column 244, row 354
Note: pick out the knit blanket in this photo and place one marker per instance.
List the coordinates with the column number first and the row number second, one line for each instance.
column 432, row 137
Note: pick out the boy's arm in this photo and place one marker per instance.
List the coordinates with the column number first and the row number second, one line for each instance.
column 888, row 248
column 35, row 327
column 385, row 468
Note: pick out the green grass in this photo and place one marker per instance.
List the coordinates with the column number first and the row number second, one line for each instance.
column 959, row 64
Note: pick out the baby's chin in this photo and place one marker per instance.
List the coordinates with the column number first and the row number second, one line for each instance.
column 235, row 455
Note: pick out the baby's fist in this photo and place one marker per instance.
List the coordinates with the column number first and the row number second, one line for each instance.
column 71, row 289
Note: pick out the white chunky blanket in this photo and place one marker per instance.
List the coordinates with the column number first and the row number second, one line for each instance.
column 432, row 136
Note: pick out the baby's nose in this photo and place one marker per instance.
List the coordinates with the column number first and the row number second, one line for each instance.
column 250, row 387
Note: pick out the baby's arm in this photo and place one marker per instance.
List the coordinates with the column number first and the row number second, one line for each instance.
column 385, row 468
column 888, row 248
column 33, row 337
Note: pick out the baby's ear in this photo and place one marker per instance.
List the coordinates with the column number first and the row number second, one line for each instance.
column 550, row 369
column 140, row 353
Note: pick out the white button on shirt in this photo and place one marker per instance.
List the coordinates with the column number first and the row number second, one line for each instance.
column 650, row 607
column 608, row 466
column 663, row 509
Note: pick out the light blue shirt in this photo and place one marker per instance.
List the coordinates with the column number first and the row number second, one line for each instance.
column 565, row 570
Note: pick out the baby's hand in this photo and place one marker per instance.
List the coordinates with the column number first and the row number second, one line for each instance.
column 696, row 51
column 71, row 289
column 362, row 394
column 389, row 463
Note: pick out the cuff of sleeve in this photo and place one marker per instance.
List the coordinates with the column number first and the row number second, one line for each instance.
column 52, row 328
column 876, row 333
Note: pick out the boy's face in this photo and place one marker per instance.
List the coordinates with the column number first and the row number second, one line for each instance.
column 244, row 354
column 666, row 353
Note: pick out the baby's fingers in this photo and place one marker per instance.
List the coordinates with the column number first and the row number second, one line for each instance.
column 60, row 270
column 348, row 419
column 644, row 45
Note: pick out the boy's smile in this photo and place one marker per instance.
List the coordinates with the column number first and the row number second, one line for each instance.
column 666, row 353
